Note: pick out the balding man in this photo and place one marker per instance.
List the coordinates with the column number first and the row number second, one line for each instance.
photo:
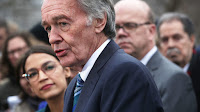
column 136, row 34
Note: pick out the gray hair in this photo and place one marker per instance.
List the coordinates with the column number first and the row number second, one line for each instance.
column 185, row 20
column 97, row 9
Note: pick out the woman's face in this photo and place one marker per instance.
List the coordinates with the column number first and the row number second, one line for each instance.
column 46, row 84
column 16, row 48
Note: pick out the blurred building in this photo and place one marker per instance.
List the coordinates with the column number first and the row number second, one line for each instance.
column 25, row 13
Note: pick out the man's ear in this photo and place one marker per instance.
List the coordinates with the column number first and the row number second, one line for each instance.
column 152, row 32
column 100, row 23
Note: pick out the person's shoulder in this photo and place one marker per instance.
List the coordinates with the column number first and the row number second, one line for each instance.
column 174, row 72
column 172, row 67
column 122, row 58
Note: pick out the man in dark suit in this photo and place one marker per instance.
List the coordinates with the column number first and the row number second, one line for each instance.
column 177, row 40
column 81, row 32
column 136, row 34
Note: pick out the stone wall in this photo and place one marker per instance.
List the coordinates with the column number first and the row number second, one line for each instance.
column 25, row 13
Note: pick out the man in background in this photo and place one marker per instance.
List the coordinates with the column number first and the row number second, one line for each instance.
column 136, row 34
column 176, row 41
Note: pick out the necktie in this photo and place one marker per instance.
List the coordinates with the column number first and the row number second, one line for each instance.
column 77, row 91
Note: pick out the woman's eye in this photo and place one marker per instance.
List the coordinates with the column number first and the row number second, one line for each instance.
column 50, row 67
column 33, row 74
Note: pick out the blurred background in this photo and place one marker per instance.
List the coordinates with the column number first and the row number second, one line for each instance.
column 26, row 13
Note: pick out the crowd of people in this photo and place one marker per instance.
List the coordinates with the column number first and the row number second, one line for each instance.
column 94, row 56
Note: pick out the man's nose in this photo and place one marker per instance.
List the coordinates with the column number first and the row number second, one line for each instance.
column 54, row 36
column 121, row 30
column 171, row 43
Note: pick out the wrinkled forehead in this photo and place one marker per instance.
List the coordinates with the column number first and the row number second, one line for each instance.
column 49, row 5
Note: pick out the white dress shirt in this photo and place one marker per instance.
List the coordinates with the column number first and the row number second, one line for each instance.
column 186, row 67
column 90, row 63
column 148, row 56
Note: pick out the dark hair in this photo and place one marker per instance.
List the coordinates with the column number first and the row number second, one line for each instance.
column 39, row 32
column 184, row 19
column 8, row 69
column 4, row 24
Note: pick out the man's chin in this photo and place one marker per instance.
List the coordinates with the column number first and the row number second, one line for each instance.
column 175, row 60
column 127, row 50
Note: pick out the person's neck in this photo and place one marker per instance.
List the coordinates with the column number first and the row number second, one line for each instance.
column 56, row 104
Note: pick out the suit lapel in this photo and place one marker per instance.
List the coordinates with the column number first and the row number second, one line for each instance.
column 70, row 95
column 153, row 63
column 93, row 77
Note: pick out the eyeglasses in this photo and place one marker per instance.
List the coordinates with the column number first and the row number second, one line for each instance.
column 18, row 50
column 33, row 74
column 128, row 27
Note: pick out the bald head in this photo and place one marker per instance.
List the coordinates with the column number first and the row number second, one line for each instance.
column 138, row 7
column 135, row 28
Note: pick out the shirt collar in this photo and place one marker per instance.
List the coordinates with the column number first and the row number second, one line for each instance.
column 186, row 67
column 90, row 63
column 148, row 56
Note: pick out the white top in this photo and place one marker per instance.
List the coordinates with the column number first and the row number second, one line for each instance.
column 148, row 56
column 90, row 63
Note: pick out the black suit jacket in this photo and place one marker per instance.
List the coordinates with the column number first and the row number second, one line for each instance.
column 194, row 72
column 116, row 83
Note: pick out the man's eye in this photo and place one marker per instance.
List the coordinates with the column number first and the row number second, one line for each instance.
column 177, row 37
column 130, row 25
column 63, row 24
column 48, row 29
column 164, row 40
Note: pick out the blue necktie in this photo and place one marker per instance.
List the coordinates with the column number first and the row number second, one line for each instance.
column 77, row 91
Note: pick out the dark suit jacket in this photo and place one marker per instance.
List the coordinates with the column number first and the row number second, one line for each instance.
column 174, row 85
column 194, row 72
column 116, row 83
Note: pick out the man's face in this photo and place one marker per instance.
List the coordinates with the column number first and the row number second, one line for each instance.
column 69, row 33
column 3, row 35
column 136, row 40
column 175, row 43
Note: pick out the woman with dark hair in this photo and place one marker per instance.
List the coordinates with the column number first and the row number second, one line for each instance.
column 14, row 47
column 46, row 76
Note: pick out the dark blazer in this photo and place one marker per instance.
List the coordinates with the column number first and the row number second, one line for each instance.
column 116, row 83
column 174, row 85
column 194, row 72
